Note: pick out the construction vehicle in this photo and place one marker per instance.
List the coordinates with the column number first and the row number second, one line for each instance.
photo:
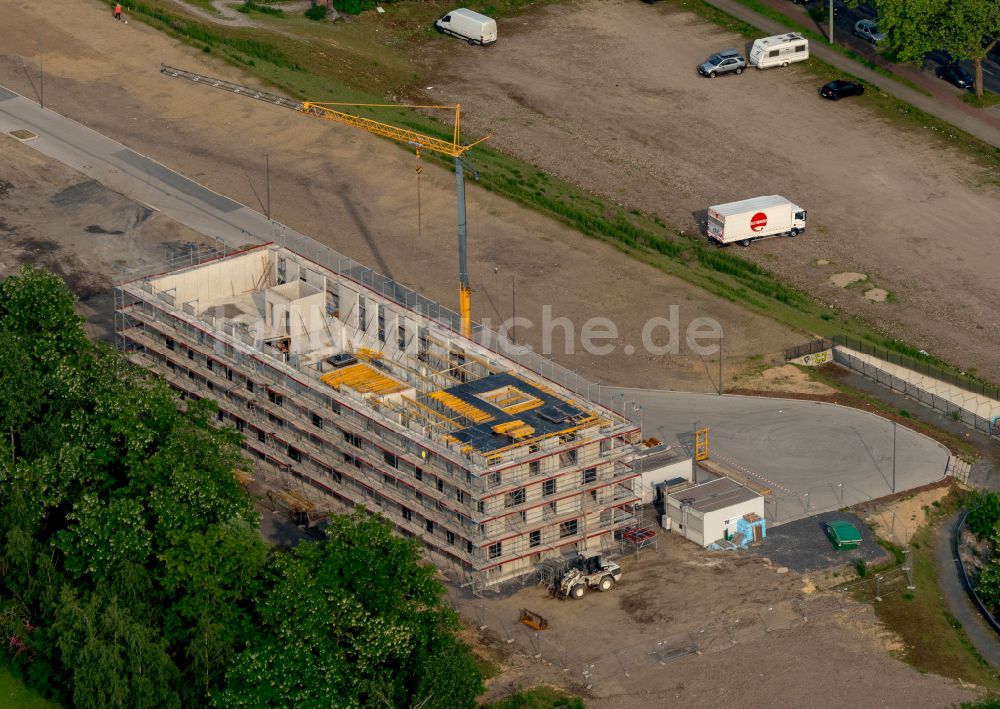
column 332, row 111
column 590, row 571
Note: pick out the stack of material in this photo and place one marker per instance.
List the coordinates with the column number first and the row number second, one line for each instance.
column 750, row 529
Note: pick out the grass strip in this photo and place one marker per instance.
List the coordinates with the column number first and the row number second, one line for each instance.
column 689, row 256
column 934, row 639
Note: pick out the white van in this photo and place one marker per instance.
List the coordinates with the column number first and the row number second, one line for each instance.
column 780, row 50
column 468, row 25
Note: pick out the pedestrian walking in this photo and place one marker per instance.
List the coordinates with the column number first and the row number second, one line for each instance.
column 118, row 11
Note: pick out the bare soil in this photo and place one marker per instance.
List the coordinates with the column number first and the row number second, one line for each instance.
column 785, row 379
column 358, row 194
column 605, row 95
column 746, row 618
column 56, row 218
column 899, row 519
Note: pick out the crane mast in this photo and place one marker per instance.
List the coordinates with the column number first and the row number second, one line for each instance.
column 333, row 112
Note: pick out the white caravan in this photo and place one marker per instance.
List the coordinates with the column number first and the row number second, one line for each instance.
column 468, row 25
column 780, row 50
column 758, row 218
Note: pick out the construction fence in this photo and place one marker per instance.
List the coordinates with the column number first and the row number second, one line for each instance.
column 608, row 667
column 783, row 508
column 922, row 393
column 918, row 365
column 390, row 289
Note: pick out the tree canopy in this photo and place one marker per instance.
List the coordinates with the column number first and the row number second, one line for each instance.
column 966, row 29
column 132, row 571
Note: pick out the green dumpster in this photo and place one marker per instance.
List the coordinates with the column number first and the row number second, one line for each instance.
column 843, row 535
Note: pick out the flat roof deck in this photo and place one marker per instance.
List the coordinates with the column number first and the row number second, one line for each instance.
column 715, row 495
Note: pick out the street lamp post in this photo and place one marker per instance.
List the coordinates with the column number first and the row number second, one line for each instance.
column 831, row 21
column 894, row 456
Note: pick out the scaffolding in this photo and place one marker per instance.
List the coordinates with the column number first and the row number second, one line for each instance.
column 636, row 537
column 374, row 404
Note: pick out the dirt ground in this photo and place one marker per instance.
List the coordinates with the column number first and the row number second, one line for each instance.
column 761, row 635
column 787, row 378
column 358, row 194
column 355, row 193
column 55, row 217
column 899, row 520
column 605, row 94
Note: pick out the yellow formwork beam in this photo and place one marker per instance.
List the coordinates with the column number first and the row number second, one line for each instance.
column 362, row 378
column 460, row 406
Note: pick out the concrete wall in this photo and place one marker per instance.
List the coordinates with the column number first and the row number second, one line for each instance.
column 652, row 478
column 719, row 522
column 222, row 279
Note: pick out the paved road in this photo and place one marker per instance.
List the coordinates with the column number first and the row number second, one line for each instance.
column 814, row 456
column 950, row 582
column 131, row 174
column 983, row 126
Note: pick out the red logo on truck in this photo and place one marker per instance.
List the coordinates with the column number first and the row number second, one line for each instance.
column 758, row 221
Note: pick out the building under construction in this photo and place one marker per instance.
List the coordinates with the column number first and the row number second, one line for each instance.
column 359, row 389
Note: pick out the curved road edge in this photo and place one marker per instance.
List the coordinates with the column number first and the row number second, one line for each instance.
column 956, row 594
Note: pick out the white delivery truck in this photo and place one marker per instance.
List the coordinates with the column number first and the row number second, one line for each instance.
column 468, row 25
column 780, row 50
column 758, row 218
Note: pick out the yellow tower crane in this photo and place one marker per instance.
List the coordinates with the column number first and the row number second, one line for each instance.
column 331, row 111
column 453, row 149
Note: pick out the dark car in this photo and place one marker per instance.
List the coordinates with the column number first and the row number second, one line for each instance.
column 837, row 90
column 954, row 74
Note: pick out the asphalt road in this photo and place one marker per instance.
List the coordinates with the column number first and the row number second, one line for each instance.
column 131, row 174
column 814, row 456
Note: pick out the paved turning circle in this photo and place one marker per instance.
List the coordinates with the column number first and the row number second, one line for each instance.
column 816, row 456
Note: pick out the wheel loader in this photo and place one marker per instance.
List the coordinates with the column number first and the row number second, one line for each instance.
column 589, row 571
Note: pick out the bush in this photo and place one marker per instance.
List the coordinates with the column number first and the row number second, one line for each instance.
column 317, row 12
column 356, row 7
column 250, row 6
column 861, row 566
column 984, row 514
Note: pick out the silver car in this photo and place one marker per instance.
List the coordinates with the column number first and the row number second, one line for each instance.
column 866, row 29
column 725, row 62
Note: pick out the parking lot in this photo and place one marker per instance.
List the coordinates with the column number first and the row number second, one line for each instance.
column 803, row 546
column 607, row 96
column 814, row 457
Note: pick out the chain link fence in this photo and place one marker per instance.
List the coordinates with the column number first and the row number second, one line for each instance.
column 915, row 364
column 594, row 669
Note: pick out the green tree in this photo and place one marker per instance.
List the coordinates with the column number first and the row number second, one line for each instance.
column 984, row 513
column 114, row 660
column 212, row 578
column 967, row 29
column 352, row 620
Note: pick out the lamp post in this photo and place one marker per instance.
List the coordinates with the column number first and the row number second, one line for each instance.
column 831, row 21
column 894, row 456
